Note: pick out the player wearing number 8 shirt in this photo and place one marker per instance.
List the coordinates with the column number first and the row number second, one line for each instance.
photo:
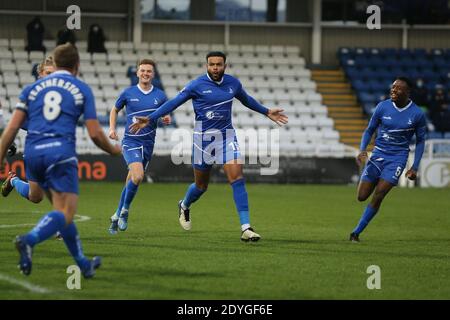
column 52, row 106
column 397, row 120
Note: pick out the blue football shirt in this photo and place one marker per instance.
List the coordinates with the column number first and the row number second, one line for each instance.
column 212, row 102
column 396, row 126
column 138, row 102
column 53, row 106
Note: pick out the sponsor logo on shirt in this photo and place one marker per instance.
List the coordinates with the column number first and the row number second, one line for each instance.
column 387, row 118
column 134, row 99
column 207, row 91
column 213, row 115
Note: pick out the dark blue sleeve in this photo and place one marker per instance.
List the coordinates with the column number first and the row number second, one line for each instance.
column 172, row 104
column 121, row 100
column 373, row 125
column 89, row 105
column 421, row 129
column 250, row 102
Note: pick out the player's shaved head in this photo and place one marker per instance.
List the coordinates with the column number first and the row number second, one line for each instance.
column 66, row 56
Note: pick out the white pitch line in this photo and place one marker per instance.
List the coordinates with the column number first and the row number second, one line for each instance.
column 78, row 218
column 25, row 284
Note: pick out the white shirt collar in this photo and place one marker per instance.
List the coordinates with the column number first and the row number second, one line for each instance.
column 62, row 72
column 143, row 91
column 402, row 109
column 218, row 82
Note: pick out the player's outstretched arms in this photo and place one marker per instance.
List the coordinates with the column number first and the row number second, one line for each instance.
column 411, row 174
column 140, row 123
column 99, row 138
column 277, row 116
column 10, row 132
column 361, row 158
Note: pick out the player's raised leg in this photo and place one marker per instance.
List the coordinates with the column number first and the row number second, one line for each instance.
column 382, row 188
column 193, row 193
column 136, row 177
column 113, row 228
column 233, row 170
column 29, row 190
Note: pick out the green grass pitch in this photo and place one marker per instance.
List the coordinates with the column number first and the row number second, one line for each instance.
column 304, row 252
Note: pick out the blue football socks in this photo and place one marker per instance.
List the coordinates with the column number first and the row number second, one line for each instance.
column 22, row 187
column 241, row 200
column 130, row 193
column 73, row 243
column 193, row 194
column 368, row 215
column 49, row 224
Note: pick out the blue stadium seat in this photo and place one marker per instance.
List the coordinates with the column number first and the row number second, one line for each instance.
column 359, row 84
column 407, row 62
column 353, row 73
column 389, row 53
column 419, row 53
column 413, row 73
column 404, row 54
column 371, row 71
column 361, row 52
column 375, row 61
column 440, row 62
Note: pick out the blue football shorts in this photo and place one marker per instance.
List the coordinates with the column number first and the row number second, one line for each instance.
column 137, row 152
column 58, row 172
column 214, row 147
column 386, row 167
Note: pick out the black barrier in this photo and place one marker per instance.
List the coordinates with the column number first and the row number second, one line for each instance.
column 162, row 169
